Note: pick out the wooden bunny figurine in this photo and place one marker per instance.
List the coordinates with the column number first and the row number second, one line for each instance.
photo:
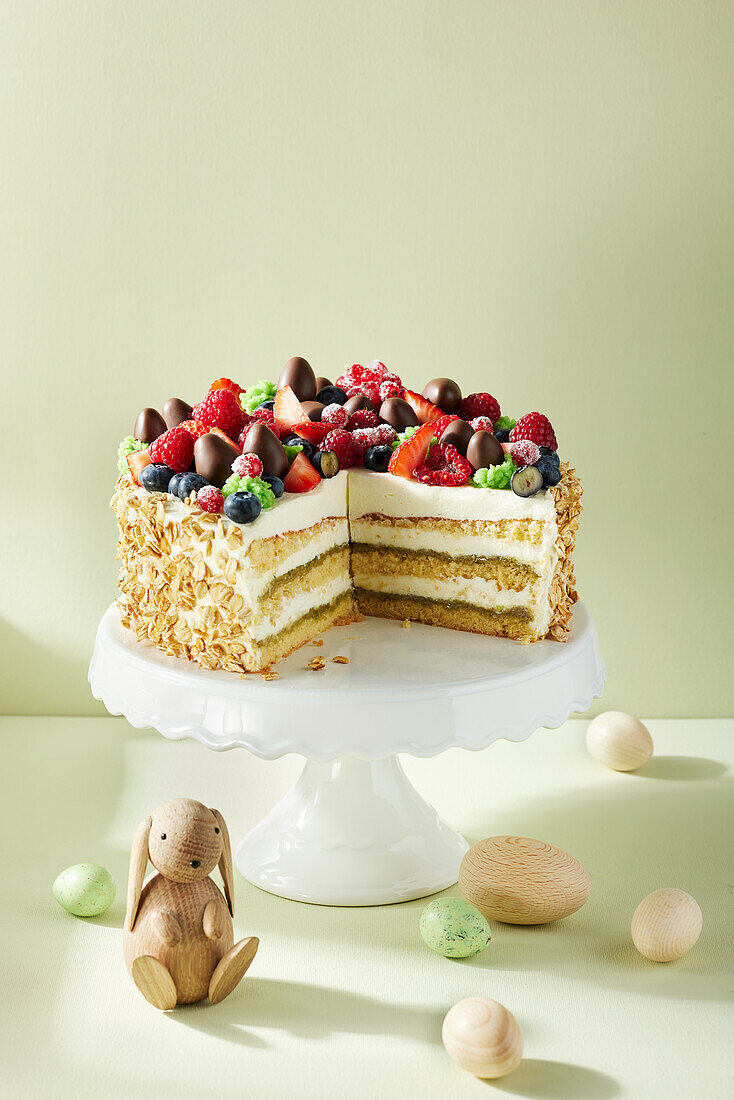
column 178, row 940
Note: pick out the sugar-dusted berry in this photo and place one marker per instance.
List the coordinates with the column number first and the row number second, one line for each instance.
column 362, row 418
column 482, row 424
column 247, row 465
column 524, row 452
column 335, row 415
column 210, row 499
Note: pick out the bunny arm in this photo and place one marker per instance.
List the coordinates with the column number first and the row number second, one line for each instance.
column 167, row 926
column 215, row 919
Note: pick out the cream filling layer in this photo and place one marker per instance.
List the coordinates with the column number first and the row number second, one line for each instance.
column 262, row 625
column 374, row 533
column 475, row 590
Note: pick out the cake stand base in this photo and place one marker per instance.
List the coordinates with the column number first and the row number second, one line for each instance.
column 352, row 832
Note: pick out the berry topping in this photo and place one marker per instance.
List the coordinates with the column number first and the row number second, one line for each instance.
column 327, row 463
column 155, row 477
column 302, row 477
column 275, row 484
column 247, row 465
column 287, row 410
column 242, row 507
column 343, row 443
column 426, row 412
column 481, row 424
column 264, row 416
column 226, row 384
column 502, row 435
column 210, row 499
column 220, row 409
column 367, row 381
column 378, row 458
column 525, row 452
column 382, row 434
column 440, row 425
column 335, row 415
column 174, row 483
column 549, row 469
column 526, row 481
column 537, row 427
column 331, row 395
column 390, row 388
column 444, row 466
column 195, row 427
column 411, row 453
column 314, row 431
column 136, row 463
column 362, row 418
column 190, row 483
column 175, row 448
column 479, row 404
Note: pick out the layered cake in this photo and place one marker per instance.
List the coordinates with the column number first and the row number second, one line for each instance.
column 255, row 520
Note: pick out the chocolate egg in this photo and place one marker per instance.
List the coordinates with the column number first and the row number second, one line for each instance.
column 458, row 434
column 213, row 458
column 483, row 450
column 297, row 374
column 263, row 442
column 175, row 411
column 322, row 383
column 313, row 409
column 443, row 392
column 359, row 401
column 149, row 425
column 398, row 413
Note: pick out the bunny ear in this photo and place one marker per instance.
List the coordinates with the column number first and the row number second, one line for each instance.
column 138, row 864
column 225, row 862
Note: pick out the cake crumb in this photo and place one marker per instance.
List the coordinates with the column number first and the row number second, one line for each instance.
column 405, row 624
column 317, row 663
column 270, row 675
column 317, row 642
column 340, row 660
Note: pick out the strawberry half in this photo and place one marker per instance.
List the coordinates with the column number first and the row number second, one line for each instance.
column 314, row 431
column 424, row 410
column 411, row 453
column 137, row 461
column 225, row 437
column 302, row 477
column 288, row 410
column 195, row 428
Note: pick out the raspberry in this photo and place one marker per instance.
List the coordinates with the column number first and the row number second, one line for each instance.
column 247, row 465
column 343, row 444
column 479, row 404
column 336, row 415
column 210, row 499
column 442, row 424
column 249, row 421
column 369, row 380
column 266, row 416
column 175, row 448
column 389, row 389
column 379, row 436
column 525, row 452
column 482, row 424
column 362, row 418
column 537, row 427
column 444, row 466
column 384, row 433
column 220, row 409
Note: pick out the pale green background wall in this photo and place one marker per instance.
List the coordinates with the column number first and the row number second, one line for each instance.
column 534, row 197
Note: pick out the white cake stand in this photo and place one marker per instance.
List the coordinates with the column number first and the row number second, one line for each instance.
column 353, row 830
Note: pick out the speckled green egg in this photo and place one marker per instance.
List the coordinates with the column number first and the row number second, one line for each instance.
column 454, row 928
column 86, row 890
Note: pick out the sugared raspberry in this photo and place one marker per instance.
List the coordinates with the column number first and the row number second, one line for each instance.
column 336, row 415
column 247, row 465
column 537, row 427
column 389, row 389
column 368, row 381
column 440, row 425
column 220, row 409
column 210, row 499
column 444, row 466
column 479, row 404
column 343, row 444
column 384, row 433
column 482, row 424
column 175, row 448
column 362, row 418
column 525, row 452
column 363, row 439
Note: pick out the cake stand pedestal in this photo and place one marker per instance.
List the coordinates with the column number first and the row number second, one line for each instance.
column 353, row 830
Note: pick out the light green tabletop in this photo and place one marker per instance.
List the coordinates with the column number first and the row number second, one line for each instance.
column 349, row 1003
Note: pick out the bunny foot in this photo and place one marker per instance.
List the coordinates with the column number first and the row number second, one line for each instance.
column 231, row 969
column 155, row 982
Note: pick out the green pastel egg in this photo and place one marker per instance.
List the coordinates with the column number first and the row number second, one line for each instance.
column 86, row 889
column 454, row 928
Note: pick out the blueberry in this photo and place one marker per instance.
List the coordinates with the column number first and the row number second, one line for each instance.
column 266, row 405
column 548, row 452
column 327, row 463
column 155, row 477
column 189, row 483
column 526, row 481
column 502, row 434
column 377, row 458
column 174, row 483
column 309, row 449
column 548, row 469
column 331, row 395
column 242, row 507
column 275, row 484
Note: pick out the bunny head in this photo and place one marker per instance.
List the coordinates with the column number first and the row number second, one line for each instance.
column 185, row 841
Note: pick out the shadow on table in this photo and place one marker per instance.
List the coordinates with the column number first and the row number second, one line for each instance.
column 307, row 1011
column 691, row 768
column 539, row 1079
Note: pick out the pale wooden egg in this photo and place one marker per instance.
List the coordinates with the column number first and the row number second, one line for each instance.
column 483, row 1037
column 666, row 925
column 619, row 741
column 522, row 881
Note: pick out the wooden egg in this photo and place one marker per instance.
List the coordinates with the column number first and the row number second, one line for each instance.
column 518, row 880
column 619, row 741
column 666, row 925
column 483, row 1037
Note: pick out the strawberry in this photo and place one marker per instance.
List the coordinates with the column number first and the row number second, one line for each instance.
column 314, row 431
column 227, row 384
column 424, row 410
column 137, row 461
column 302, row 477
column 225, row 437
column 195, row 428
column 412, row 452
column 288, row 410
